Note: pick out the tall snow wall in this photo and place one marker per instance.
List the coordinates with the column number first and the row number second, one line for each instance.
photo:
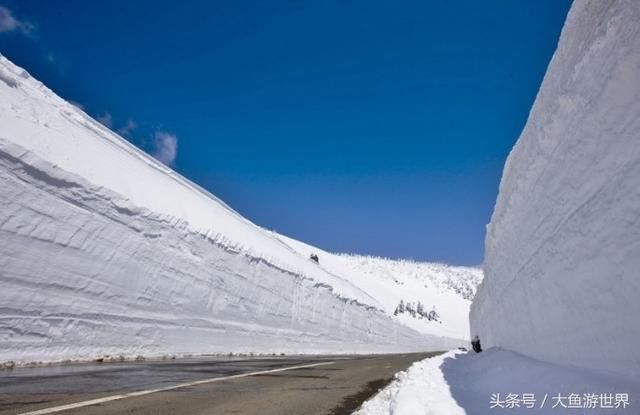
column 562, row 258
column 103, row 251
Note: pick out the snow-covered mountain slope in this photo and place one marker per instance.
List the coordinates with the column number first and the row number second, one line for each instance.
column 103, row 250
column 447, row 290
column 563, row 247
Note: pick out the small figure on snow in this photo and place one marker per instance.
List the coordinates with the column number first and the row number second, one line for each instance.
column 314, row 258
column 475, row 343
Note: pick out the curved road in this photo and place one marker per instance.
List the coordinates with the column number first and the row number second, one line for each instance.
column 278, row 385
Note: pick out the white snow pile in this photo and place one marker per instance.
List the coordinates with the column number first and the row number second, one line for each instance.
column 106, row 251
column 563, row 247
column 499, row 381
column 420, row 390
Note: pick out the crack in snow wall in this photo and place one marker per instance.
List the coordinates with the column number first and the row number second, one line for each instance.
column 563, row 246
column 85, row 273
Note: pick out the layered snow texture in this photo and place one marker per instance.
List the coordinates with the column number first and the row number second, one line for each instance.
column 105, row 251
column 563, row 246
column 499, row 381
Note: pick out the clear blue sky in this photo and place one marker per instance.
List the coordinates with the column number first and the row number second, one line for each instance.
column 374, row 127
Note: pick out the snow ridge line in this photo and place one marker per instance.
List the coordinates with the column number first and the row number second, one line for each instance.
column 87, row 121
column 19, row 78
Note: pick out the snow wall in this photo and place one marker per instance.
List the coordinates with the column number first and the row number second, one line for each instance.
column 104, row 251
column 562, row 258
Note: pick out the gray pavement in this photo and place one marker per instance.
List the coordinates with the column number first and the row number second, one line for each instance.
column 337, row 387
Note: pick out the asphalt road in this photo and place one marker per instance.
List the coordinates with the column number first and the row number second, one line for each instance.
column 287, row 385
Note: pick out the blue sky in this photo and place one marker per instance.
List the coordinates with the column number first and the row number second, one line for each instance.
column 372, row 127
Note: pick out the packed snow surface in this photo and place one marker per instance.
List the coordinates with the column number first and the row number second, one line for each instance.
column 563, row 246
column 496, row 382
column 106, row 251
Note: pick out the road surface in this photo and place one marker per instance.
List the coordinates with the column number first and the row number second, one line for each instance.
column 280, row 385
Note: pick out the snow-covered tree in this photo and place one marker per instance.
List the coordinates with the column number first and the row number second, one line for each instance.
column 411, row 309
column 433, row 315
column 401, row 307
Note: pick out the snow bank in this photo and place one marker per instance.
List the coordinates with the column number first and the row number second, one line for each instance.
column 105, row 251
column 421, row 389
column 563, row 245
column 480, row 384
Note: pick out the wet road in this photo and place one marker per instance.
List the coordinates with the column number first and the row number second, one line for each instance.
column 283, row 385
